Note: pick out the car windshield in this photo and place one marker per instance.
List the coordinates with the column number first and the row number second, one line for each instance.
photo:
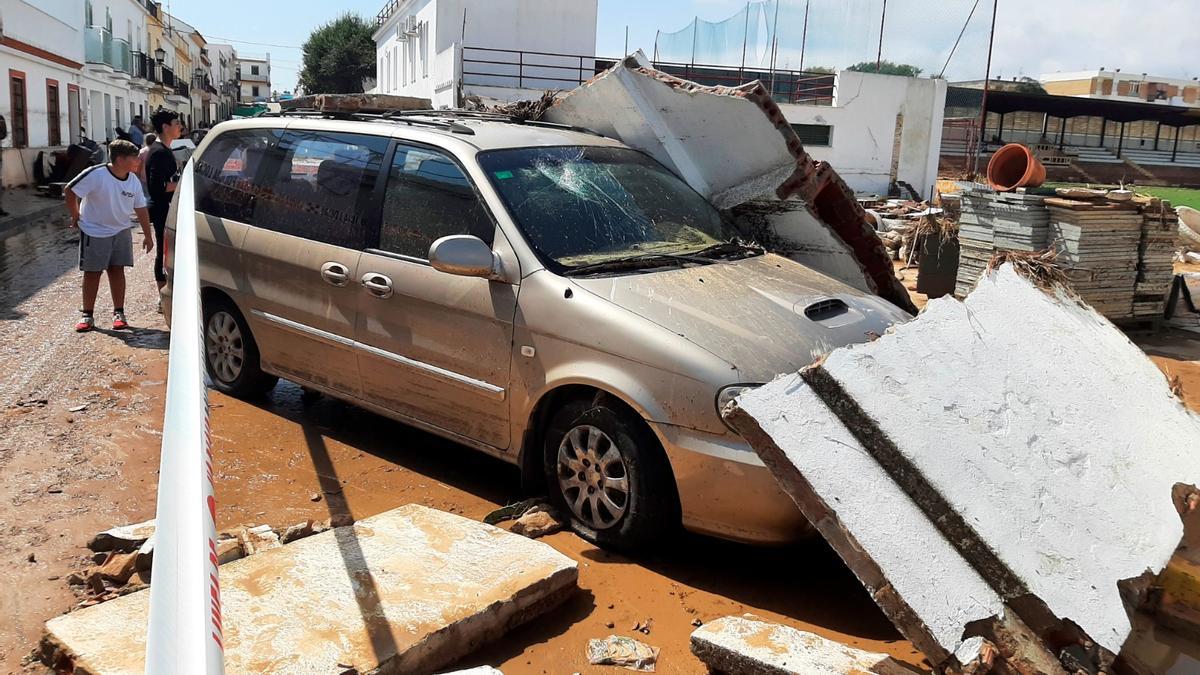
column 587, row 206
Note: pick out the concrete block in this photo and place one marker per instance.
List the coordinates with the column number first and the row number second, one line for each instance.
column 406, row 591
column 750, row 646
column 1025, row 453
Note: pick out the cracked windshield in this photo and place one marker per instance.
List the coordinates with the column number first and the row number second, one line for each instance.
column 598, row 209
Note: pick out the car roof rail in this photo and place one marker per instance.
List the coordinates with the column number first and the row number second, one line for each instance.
column 387, row 116
column 487, row 116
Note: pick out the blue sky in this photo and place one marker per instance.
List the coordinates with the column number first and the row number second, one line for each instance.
column 1032, row 36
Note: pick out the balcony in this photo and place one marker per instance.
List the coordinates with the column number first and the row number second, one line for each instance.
column 122, row 58
column 142, row 66
column 107, row 54
column 97, row 48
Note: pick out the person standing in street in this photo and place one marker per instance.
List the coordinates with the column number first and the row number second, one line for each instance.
column 101, row 200
column 162, row 174
column 3, row 135
column 137, row 135
column 143, row 155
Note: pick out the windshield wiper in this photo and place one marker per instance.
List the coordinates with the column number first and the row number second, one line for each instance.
column 727, row 248
column 640, row 261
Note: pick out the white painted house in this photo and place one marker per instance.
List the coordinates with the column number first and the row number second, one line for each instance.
column 254, row 72
column 41, row 54
column 114, row 33
column 879, row 128
column 444, row 50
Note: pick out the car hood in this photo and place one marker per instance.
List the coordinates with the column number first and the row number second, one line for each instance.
column 765, row 315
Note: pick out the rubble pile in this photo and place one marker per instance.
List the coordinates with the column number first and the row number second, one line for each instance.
column 1097, row 244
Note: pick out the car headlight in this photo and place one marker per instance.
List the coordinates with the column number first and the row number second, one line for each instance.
column 726, row 396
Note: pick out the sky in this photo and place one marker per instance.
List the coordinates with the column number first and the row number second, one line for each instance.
column 1032, row 36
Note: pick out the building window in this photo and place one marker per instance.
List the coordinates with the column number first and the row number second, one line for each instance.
column 254, row 70
column 20, row 111
column 53, row 121
column 1136, row 89
column 820, row 135
column 254, row 91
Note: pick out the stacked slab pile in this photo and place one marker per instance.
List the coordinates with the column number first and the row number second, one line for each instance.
column 993, row 221
column 1097, row 246
column 1155, row 266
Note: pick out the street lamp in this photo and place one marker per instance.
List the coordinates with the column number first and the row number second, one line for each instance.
column 160, row 54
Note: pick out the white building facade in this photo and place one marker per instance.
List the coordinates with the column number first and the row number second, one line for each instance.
column 254, row 73
column 114, row 38
column 41, row 57
column 879, row 129
column 225, row 78
column 445, row 50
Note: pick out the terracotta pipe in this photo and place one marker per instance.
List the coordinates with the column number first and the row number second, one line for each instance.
column 1014, row 166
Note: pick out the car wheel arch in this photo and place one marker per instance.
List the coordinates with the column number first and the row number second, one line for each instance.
column 530, row 458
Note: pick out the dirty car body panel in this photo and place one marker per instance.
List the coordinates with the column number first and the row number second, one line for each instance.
column 477, row 359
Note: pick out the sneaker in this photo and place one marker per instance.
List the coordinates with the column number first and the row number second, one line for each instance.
column 119, row 322
column 85, row 324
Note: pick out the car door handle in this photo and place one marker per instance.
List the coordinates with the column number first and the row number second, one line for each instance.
column 335, row 274
column 377, row 284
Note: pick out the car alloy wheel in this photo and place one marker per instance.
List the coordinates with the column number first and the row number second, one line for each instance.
column 224, row 346
column 592, row 477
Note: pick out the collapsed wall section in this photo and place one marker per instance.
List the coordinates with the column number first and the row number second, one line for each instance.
column 732, row 145
column 1018, row 443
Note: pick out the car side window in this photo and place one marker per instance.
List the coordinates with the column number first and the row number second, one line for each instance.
column 319, row 185
column 226, row 174
column 428, row 197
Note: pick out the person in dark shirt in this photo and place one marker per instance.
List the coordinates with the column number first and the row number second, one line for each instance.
column 162, row 173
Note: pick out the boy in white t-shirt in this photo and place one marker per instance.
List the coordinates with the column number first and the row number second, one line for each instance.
column 111, row 194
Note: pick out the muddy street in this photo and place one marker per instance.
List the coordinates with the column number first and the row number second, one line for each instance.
column 79, row 443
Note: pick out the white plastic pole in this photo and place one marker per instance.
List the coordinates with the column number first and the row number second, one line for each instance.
column 184, row 636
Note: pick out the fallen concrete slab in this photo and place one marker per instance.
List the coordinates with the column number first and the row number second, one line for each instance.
column 747, row 645
column 789, row 228
column 732, row 145
column 407, row 591
column 1028, row 457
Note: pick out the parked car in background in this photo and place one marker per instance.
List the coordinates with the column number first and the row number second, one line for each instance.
column 182, row 148
column 545, row 295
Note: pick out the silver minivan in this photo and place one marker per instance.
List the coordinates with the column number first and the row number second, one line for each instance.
column 543, row 294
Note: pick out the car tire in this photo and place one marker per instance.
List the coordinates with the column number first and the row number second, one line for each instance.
column 231, row 354
column 648, row 504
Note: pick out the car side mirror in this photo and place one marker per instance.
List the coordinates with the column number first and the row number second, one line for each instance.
column 465, row 255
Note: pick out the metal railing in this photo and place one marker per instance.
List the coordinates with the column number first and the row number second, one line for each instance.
column 384, row 14
column 142, row 66
column 510, row 68
column 181, row 88
column 525, row 70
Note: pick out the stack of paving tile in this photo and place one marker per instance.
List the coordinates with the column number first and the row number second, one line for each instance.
column 1097, row 245
column 992, row 221
column 1155, row 260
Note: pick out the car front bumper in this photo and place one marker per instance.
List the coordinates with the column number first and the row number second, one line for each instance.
column 726, row 491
